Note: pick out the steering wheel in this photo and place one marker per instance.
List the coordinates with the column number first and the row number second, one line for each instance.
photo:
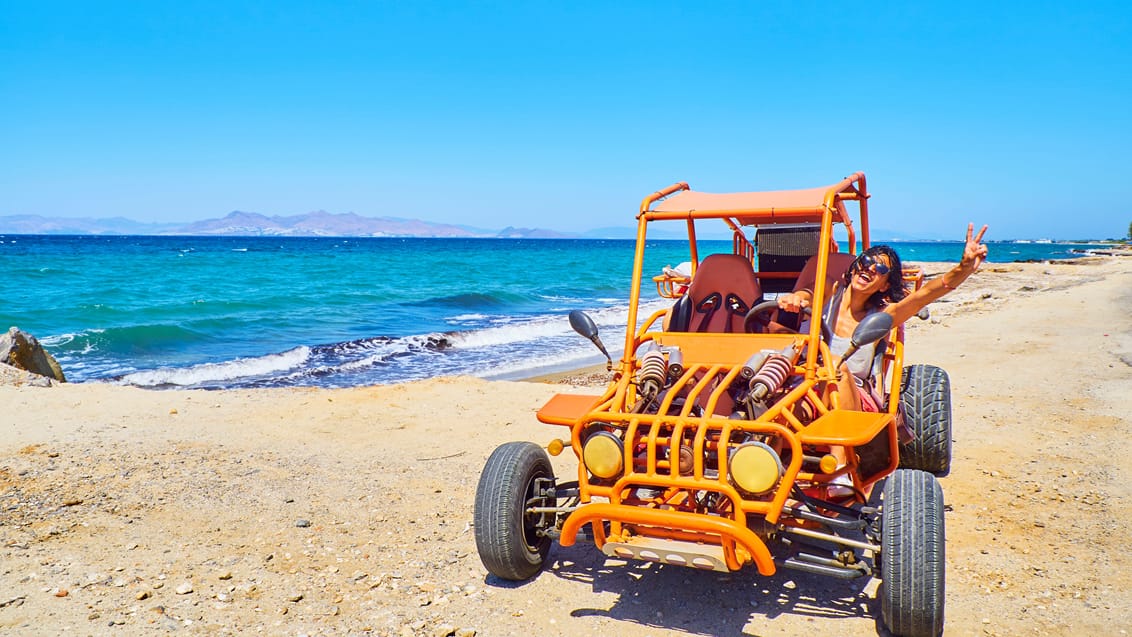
column 757, row 319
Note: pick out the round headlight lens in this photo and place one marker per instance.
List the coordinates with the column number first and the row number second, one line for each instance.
column 603, row 455
column 755, row 468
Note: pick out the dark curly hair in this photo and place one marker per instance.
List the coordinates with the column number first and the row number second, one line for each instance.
column 896, row 290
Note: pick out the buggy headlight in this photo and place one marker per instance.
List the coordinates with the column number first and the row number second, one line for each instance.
column 755, row 468
column 603, row 455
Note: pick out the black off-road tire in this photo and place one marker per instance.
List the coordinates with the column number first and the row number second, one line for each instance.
column 508, row 540
column 925, row 393
column 912, row 561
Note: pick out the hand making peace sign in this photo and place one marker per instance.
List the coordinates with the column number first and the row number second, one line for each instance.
column 975, row 252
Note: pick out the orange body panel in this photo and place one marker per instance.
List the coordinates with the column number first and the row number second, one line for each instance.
column 566, row 409
column 721, row 349
column 845, row 428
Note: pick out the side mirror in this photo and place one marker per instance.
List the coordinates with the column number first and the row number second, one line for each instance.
column 584, row 325
column 870, row 330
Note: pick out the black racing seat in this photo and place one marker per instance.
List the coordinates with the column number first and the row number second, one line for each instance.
column 722, row 291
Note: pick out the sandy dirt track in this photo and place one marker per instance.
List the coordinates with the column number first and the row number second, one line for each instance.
column 348, row 512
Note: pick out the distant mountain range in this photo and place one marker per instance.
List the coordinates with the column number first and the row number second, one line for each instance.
column 324, row 224
column 312, row 224
column 35, row 224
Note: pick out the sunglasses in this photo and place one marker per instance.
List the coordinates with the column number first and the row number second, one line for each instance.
column 870, row 262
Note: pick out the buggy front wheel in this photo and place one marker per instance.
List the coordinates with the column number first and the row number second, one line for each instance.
column 912, row 560
column 513, row 543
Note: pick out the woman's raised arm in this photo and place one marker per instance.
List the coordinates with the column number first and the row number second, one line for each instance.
column 974, row 253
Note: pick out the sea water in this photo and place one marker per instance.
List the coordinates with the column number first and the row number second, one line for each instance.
column 224, row 312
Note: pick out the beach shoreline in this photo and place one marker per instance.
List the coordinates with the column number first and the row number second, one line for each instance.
column 348, row 511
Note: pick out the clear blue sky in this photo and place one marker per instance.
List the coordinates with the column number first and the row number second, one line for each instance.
column 564, row 115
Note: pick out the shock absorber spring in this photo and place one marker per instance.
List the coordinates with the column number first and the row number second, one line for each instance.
column 654, row 369
column 650, row 378
column 770, row 377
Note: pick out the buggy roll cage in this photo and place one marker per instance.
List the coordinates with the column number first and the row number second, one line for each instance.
column 823, row 205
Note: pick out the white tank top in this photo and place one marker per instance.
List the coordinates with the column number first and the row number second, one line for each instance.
column 861, row 362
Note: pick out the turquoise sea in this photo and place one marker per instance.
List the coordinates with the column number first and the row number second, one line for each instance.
column 220, row 312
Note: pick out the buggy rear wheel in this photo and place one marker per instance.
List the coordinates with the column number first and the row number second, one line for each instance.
column 912, row 561
column 926, row 395
column 511, row 542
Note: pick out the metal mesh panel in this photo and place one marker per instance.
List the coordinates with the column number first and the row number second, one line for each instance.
column 785, row 249
column 794, row 241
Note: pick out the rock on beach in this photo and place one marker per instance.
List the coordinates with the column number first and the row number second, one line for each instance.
column 22, row 351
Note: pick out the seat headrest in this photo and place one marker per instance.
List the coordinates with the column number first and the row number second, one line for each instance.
column 722, row 290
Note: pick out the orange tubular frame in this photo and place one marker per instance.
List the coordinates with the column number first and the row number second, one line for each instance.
column 715, row 355
column 852, row 188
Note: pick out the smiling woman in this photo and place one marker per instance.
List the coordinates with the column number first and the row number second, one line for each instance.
column 873, row 283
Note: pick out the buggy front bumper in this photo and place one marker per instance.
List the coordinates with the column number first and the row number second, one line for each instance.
column 674, row 537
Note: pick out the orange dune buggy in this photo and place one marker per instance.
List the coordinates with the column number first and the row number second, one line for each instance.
column 717, row 444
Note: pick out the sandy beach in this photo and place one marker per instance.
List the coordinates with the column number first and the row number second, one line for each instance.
column 348, row 512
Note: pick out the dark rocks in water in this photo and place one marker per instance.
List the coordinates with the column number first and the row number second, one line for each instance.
column 23, row 351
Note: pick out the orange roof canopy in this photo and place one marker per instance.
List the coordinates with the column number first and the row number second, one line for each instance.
column 691, row 200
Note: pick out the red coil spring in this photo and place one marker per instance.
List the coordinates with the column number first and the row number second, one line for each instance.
column 653, row 369
column 771, row 375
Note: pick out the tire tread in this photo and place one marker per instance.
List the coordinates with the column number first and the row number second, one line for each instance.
column 913, row 559
column 926, row 396
column 500, row 500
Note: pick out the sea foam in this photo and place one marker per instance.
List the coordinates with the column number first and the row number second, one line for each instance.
column 213, row 372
